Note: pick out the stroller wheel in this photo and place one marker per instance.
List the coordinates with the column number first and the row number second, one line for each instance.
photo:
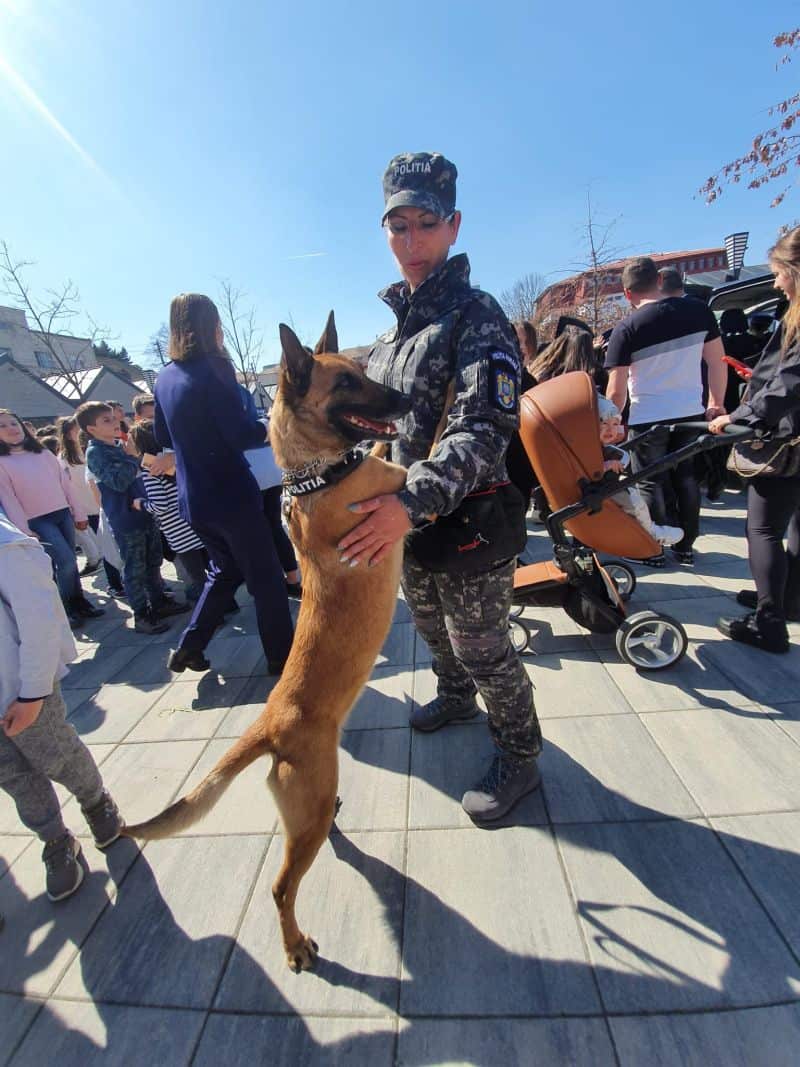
column 516, row 611
column 520, row 635
column 650, row 641
column 623, row 577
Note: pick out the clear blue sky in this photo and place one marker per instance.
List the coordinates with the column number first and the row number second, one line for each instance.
column 154, row 146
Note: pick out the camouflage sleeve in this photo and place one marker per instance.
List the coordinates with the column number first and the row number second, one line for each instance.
column 484, row 414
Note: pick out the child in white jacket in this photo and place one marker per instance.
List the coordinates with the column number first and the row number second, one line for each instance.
column 37, row 745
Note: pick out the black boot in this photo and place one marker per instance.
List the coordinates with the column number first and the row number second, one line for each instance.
column 180, row 660
column 770, row 635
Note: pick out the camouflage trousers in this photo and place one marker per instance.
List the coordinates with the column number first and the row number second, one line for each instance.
column 464, row 620
column 141, row 567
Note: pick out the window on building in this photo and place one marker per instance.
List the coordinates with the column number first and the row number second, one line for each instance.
column 45, row 360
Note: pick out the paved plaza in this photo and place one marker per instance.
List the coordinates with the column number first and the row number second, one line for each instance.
column 642, row 910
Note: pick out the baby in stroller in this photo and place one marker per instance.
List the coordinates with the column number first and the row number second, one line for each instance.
column 617, row 459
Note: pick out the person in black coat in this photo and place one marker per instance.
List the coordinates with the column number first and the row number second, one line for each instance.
column 199, row 414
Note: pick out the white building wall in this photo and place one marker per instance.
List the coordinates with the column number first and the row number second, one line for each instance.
column 23, row 344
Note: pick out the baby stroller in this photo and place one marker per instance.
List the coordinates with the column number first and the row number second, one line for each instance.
column 559, row 430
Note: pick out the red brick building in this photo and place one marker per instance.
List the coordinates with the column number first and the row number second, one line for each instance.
column 575, row 295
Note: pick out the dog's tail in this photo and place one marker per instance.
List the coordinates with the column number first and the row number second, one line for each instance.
column 186, row 811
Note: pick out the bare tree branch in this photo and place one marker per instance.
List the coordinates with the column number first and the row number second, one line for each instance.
column 157, row 349
column 242, row 335
column 519, row 302
column 599, row 253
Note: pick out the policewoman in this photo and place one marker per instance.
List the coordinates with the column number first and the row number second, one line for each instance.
column 455, row 353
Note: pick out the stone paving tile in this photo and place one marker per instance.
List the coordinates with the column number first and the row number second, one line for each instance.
column 16, row 1015
column 11, row 847
column 767, row 849
column 73, row 698
column 189, row 710
column 787, row 716
column 81, row 1034
column 665, row 585
column 235, row 657
column 170, row 931
column 40, row 938
column 111, row 713
column 148, row 666
column 143, row 778
column 670, row 923
column 444, row 765
column 246, row 806
column 511, row 1042
column 552, row 630
column 98, row 666
column 313, row 1041
column 248, row 706
column 756, row 674
column 351, row 903
column 608, row 769
column 373, row 779
column 693, row 682
column 730, row 764
column 574, row 684
column 385, row 702
column 472, row 947
column 726, row 1039
column 398, row 648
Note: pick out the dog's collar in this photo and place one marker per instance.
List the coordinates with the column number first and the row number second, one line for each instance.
column 321, row 473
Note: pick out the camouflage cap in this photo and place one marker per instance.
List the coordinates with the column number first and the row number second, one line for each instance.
column 420, row 179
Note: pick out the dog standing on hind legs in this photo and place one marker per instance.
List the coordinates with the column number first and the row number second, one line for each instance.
column 324, row 406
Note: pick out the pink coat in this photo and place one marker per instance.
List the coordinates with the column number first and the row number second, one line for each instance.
column 33, row 484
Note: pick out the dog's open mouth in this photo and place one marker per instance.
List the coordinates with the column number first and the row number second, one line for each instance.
column 356, row 426
column 371, row 426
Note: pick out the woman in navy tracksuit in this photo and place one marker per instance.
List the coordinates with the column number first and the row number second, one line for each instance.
column 199, row 414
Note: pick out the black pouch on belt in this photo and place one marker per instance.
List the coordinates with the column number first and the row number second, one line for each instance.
column 488, row 526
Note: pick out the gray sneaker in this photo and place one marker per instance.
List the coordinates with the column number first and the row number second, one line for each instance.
column 437, row 713
column 104, row 821
column 64, row 872
column 506, row 782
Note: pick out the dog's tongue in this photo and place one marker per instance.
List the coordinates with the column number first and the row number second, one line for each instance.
column 370, row 424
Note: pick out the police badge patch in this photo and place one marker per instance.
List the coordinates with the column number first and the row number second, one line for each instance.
column 503, row 380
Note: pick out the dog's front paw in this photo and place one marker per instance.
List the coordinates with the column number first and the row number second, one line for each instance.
column 303, row 955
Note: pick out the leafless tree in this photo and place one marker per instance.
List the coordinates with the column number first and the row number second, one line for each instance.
column 599, row 253
column 519, row 302
column 242, row 336
column 51, row 315
column 774, row 152
column 157, row 348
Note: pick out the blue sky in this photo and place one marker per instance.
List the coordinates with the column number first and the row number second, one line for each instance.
column 155, row 147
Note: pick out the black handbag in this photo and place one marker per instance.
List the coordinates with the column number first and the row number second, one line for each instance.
column 765, row 459
column 487, row 527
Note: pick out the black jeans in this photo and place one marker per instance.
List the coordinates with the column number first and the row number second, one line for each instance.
column 672, row 497
column 773, row 507
column 271, row 499
column 241, row 549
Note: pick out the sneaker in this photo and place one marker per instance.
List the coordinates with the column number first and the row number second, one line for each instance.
column 437, row 713
column 104, row 821
column 748, row 598
column 180, row 660
column 656, row 562
column 90, row 568
column 667, row 535
column 63, row 871
column 506, row 782
column 168, row 608
column 683, row 556
column 148, row 624
column 118, row 594
column 85, row 608
column 768, row 637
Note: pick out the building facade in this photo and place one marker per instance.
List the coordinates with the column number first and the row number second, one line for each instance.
column 30, row 350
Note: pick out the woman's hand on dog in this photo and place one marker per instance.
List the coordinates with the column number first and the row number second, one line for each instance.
column 372, row 540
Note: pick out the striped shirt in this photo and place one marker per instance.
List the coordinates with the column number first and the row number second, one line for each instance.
column 162, row 504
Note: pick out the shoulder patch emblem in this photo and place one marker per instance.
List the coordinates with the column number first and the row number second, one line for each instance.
column 503, row 380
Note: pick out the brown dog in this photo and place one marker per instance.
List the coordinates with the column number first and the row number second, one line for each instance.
column 325, row 404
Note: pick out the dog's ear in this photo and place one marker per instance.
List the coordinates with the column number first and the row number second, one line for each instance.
column 296, row 361
column 329, row 342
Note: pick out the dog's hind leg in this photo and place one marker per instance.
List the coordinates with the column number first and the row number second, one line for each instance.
column 306, row 805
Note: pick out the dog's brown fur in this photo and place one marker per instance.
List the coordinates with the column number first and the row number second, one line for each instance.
column 345, row 615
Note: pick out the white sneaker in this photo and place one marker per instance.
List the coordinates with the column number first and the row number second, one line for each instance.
column 667, row 535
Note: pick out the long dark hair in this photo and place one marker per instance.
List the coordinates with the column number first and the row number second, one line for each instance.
column 568, row 352
column 529, row 343
column 193, row 321
column 786, row 254
column 29, row 442
column 69, row 450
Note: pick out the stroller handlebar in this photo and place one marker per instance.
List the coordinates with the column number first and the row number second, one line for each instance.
column 731, row 430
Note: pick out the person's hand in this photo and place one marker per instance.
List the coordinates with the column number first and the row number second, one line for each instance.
column 136, row 504
column 713, row 411
column 614, row 465
column 718, row 424
column 20, row 715
column 81, row 524
column 162, row 464
column 130, row 448
column 372, row 540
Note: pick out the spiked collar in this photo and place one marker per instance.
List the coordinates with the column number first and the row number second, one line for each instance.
column 321, row 473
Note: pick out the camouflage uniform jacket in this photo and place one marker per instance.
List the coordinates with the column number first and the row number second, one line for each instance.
column 448, row 331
